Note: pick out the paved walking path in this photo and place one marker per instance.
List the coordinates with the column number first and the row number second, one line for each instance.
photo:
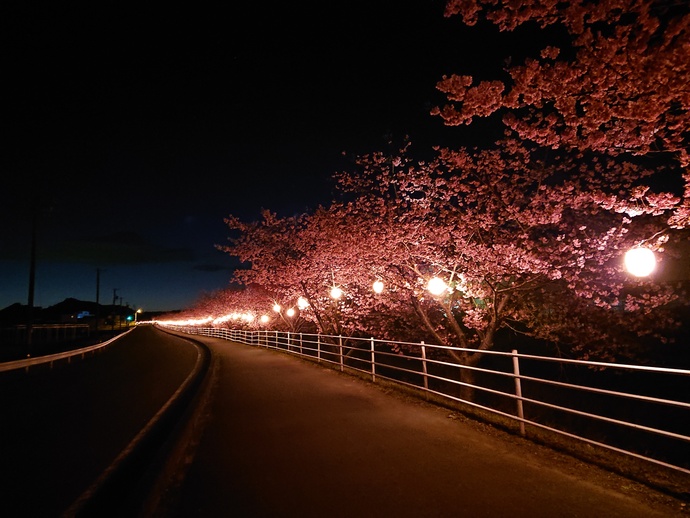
column 288, row 438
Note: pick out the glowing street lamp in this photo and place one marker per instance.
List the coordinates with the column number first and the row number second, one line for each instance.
column 276, row 308
column 264, row 319
column 336, row 293
column 640, row 261
column 377, row 286
column 290, row 312
column 436, row 286
column 302, row 303
column 136, row 314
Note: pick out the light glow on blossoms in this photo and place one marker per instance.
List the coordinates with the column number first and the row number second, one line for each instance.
column 220, row 320
column 437, row 286
column 276, row 308
column 640, row 261
column 290, row 312
column 264, row 319
column 336, row 293
column 187, row 322
column 377, row 287
column 302, row 303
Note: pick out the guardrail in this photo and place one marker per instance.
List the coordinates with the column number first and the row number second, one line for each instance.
column 52, row 358
column 623, row 408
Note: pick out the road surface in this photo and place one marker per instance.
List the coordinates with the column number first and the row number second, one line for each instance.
column 276, row 436
column 62, row 427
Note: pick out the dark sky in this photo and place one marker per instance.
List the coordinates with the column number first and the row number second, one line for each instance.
column 136, row 128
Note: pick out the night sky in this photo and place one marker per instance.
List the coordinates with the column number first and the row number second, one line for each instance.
column 134, row 129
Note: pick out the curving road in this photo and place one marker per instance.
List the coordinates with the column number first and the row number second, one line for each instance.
column 268, row 435
column 62, row 428
column 275, row 436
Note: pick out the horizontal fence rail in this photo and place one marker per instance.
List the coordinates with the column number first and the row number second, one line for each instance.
column 635, row 410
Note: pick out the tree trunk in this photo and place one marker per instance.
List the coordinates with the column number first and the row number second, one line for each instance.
column 467, row 392
column 466, row 376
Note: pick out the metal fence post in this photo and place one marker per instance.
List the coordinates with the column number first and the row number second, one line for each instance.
column 373, row 361
column 318, row 347
column 426, row 377
column 288, row 341
column 340, row 342
column 518, row 392
column 300, row 344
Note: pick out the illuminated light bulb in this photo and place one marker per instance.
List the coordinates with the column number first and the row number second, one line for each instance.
column 276, row 308
column 436, row 286
column 377, row 287
column 290, row 312
column 264, row 319
column 302, row 303
column 640, row 261
column 336, row 293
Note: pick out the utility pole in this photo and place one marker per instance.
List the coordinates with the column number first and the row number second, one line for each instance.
column 98, row 297
column 98, row 285
column 32, row 279
column 112, row 322
column 119, row 313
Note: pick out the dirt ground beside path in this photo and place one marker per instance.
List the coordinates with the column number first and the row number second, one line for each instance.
column 287, row 437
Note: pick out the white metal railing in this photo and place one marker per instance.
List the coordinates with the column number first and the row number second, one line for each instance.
column 540, row 391
column 52, row 358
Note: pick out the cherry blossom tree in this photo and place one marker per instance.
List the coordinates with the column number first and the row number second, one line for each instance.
column 236, row 306
column 304, row 258
column 527, row 235
column 522, row 242
column 619, row 86
column 292, row 256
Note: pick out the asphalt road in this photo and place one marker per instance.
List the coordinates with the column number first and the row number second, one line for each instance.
column 61, row 428
column 275, row 436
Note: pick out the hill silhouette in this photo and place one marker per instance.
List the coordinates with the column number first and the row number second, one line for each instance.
column 69, row 311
